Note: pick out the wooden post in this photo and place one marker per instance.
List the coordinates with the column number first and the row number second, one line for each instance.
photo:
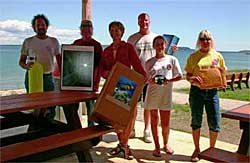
column 86, row 15
column 86, row 9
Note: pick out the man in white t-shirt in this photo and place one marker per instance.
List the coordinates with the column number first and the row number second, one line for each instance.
column 143, row 43
column 44, row 48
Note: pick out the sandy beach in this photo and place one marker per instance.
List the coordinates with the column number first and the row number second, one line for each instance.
column 12, row 92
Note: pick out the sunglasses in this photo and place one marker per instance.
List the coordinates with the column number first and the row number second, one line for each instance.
column 203, row 39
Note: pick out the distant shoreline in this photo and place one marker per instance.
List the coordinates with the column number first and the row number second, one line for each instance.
column 7, row 92
column 246, row 51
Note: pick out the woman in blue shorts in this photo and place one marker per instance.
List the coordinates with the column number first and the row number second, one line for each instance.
column 202, row 67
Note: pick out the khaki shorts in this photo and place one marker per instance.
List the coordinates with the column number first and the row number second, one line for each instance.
column 159, row 97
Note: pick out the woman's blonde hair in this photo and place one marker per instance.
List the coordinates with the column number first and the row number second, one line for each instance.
column 205, row 34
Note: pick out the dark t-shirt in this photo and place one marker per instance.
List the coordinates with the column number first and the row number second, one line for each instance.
column 97, row 48
column 97, row 57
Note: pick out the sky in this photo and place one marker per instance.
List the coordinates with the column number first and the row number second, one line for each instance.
column 227, row 20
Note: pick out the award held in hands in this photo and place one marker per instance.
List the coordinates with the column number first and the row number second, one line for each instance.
column 213, row 77
column 172, row 40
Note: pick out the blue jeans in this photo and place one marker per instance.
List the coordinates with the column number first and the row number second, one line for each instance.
column 48, row 85
column 198, row 98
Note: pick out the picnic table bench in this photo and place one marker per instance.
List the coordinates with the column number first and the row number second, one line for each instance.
column 238, row 79
column 230, row 81
column 47, row 139
column 245, row 79
column 220, row 155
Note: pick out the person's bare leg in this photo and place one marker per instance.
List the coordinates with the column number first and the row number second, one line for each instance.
column 146, row 120
column 154, row 130
column 213, row 137
column 196, row 139
column 165, row 118
column 124, row 137
column 146, row 133
column 118, row 148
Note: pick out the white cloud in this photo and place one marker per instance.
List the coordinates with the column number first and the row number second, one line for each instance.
column 15, row 31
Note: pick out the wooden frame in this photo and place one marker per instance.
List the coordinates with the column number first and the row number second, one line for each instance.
column 77, row 68
column 118, row 99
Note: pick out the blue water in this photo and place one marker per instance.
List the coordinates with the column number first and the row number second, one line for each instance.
column 12, row 75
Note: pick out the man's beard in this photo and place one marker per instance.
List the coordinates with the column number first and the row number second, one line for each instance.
column 41, row 32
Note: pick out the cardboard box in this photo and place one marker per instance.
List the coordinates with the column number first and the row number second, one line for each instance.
column 117, row 101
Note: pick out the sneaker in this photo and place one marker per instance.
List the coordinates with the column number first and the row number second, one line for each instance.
column 132, row 134
column 147, row 137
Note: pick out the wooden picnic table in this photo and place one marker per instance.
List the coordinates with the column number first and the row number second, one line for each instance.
column 40, row 142
column 242, row 114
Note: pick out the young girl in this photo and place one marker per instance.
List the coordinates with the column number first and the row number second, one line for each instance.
column 162, row 71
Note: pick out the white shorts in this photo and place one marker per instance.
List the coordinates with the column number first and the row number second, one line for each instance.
column 159, row 97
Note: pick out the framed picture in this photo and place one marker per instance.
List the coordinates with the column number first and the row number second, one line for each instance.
column 172, row 40
column 117, row 101
column 77, row 68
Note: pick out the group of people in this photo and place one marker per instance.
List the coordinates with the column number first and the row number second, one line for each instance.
column 144, row 51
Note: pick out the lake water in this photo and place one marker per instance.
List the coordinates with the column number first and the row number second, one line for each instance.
column 12, row 75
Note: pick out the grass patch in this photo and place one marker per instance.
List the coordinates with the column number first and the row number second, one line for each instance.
column 238, row 94
column 180, row 120
column 179, row 107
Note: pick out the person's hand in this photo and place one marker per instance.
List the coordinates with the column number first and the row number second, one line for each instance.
column 29, row 65
column 151, row 81
column 166, row 81
column 174, row 48
column 196, row 79
column 106, row 74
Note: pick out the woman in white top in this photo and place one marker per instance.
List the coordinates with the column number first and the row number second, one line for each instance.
column 162, row 71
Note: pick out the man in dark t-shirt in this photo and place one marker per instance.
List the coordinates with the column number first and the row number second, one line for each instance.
column 86, row 30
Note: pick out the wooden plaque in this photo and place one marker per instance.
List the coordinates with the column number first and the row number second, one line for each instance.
column 212, row 78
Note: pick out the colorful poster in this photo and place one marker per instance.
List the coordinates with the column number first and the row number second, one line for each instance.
column 124, row 90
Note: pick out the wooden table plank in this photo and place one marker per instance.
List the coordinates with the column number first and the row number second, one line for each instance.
column 51, row 142
column 241, row 113
column 15, row 103
column 41, row 96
